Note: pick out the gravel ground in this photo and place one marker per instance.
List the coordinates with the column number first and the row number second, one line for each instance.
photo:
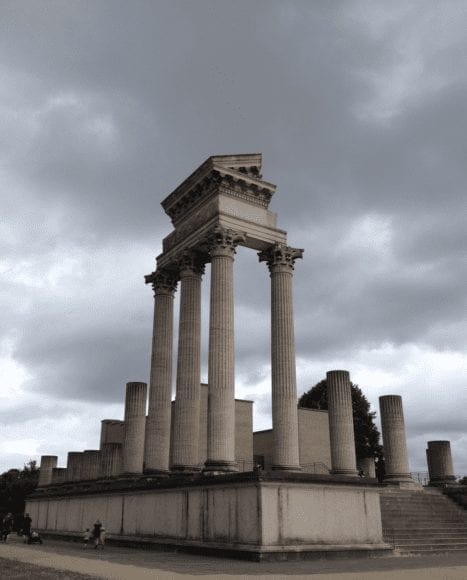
column 115, row 563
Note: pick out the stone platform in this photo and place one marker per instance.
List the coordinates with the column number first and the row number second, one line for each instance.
column 253, row 516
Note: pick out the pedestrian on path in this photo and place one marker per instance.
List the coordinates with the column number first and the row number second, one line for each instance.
column 96, row 533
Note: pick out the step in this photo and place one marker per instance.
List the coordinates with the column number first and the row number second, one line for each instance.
column 425, row 534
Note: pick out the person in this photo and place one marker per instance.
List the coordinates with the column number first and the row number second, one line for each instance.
column 96, row 533
column 86, row 537
column 7, row 526
column 27, row 522
column 361, row 473
column 102, row 538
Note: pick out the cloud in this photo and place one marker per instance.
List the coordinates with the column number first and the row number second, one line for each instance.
column 357, row 110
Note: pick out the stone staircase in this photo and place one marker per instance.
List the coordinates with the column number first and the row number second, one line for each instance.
column 422, row 521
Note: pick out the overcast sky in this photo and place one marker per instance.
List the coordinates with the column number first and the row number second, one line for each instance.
column 359, row 110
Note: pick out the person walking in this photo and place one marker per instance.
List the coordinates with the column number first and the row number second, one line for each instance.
column 7, row 526
column 96, row 533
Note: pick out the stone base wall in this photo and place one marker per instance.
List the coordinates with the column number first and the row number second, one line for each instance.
column 253, row 515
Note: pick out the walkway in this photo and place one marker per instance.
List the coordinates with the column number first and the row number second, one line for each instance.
column 132, row 564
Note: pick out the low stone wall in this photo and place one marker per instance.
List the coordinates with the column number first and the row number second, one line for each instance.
column 246, row 514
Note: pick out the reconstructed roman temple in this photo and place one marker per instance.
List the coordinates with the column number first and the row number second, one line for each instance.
column 181, row 473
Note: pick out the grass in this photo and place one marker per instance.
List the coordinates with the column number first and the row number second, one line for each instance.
column 13, row 570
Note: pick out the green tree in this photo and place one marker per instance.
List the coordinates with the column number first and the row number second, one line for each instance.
column 367, row 436
column 15, row 486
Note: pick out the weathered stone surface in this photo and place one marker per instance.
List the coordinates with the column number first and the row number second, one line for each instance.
column 221, row 366
column 111, row 460
column 187, row 400
column 157, row 438
column 135, row 422
column 261, row 513
column 439, row 459
column 341, row 432
column 48, row 463
column 394, row 440
column 280, row 260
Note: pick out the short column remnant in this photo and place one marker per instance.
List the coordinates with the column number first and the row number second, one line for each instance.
column 48, row 463
column 394, row 440
column 440, row 466
column 341, row 431
column 157, row 440
column 221, row 366
column 73, row 466
column 58, row 475
column 280, row 260
column 91, row 464
column 185, row 456
column 135, row 421
column 110, row 460
column 367, row 465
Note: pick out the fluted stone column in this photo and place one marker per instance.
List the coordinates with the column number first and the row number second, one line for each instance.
column 135, row 422
column 157, row 440
column 73, row 466
column 111, row 460
column 280, row 260
column 48, row 462
column 221, row 366
column 185, row 456
column 367, row 465
column 91, row 464
column 58, row 475
column 341, row 431
column 394, row 441
column 439, row 459
column 112, row 431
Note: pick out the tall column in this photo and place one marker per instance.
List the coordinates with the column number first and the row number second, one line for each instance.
column 221, row 368
column 341, row 431
column 135, row 421
column 48, row 462
column 394, row 441
column 157, row 439
column 439, row 458
column 185, row 456
column 280, row 260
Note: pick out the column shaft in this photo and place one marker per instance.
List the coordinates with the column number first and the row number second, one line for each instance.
column 135, row 422
column 280, row 260
column 111, row 460
column 185, row 456
column 221, row 367
column 157, row 438
column 341, row 431
column 394, row 441
column 48, row 463
column 440, row 466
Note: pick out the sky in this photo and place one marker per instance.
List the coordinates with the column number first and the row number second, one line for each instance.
column 359, row 109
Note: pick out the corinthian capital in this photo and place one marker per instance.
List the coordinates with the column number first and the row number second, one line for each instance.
column 163, row 281
column 191, row 262
column 280, row 255
column 222, row 241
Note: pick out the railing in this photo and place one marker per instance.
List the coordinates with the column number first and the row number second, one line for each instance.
column 420, row 477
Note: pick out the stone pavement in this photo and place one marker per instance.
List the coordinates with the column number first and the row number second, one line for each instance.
column 117, row 563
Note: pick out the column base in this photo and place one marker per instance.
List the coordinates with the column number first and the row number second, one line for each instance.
column 349, row 472
column 402, row 480
column 179, row 468
column 288, row 468
column 220, row 467
column 157, row 472
column 448, row 480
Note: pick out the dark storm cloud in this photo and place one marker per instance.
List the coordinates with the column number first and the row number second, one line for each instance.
column 357, row 109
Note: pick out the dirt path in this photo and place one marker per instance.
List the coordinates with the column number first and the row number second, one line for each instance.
column 129, row 564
